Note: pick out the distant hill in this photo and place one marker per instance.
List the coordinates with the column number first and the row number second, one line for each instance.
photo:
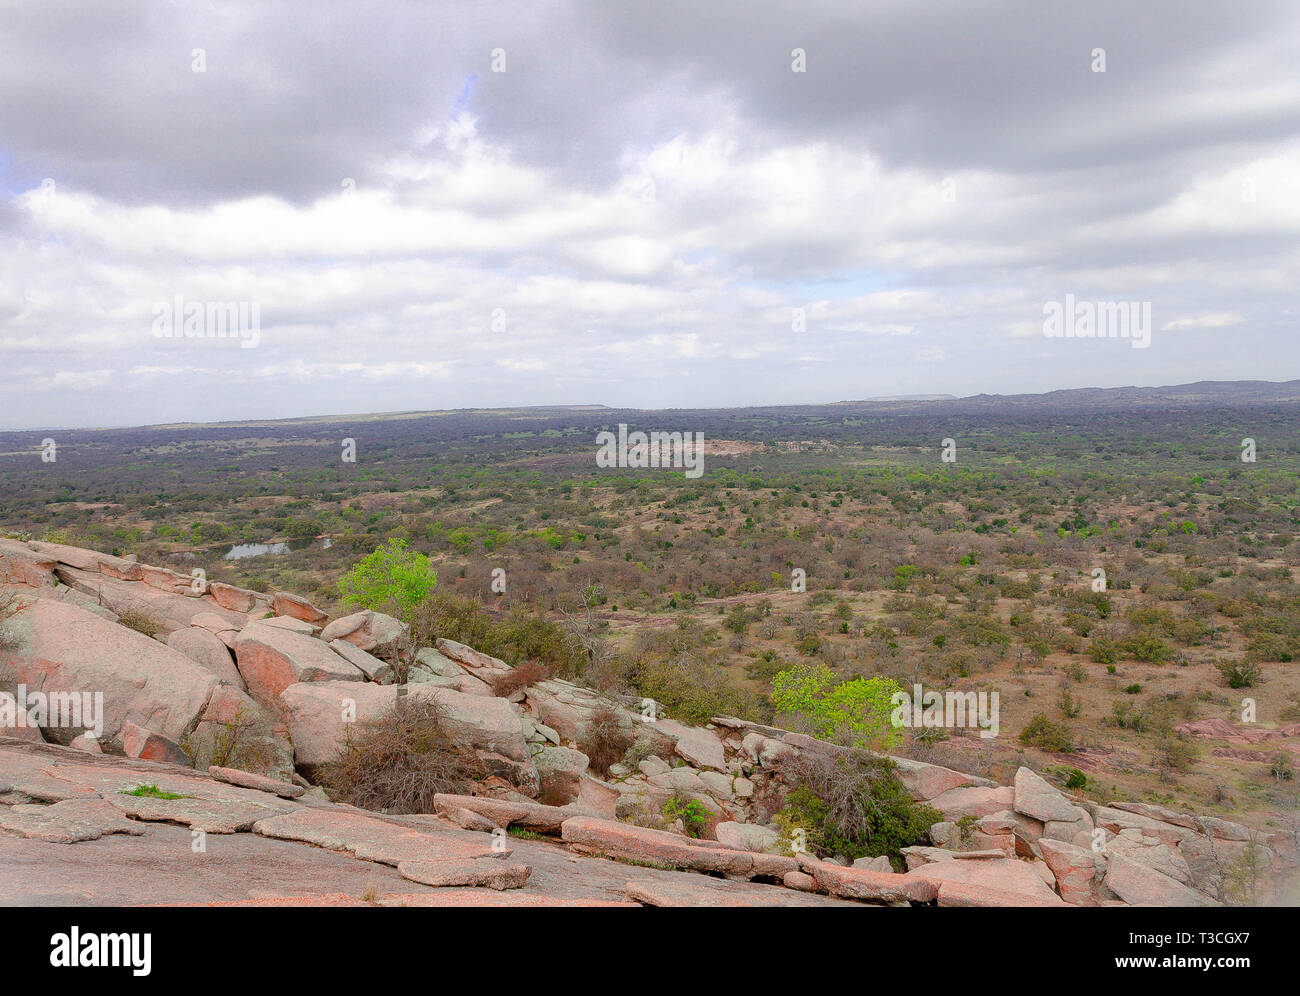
column 1202, row 394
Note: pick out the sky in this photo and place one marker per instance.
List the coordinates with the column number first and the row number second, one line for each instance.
column 427, row 205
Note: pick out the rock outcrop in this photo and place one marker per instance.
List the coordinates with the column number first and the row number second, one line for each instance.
column 261, row 692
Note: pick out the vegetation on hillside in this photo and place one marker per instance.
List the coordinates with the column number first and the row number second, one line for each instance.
column 1113, row 574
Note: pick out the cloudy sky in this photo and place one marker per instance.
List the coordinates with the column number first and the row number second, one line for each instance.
column 439, row 205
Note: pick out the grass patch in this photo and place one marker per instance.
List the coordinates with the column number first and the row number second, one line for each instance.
column 153, row 792
column 525, row 834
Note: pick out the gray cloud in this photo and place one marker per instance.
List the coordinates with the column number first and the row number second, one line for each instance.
column 646, row 195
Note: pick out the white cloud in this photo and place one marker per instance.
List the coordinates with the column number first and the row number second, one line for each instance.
column 1213, row 321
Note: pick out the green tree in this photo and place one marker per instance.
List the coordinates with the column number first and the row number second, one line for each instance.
column 855, row 713
column 393, row 577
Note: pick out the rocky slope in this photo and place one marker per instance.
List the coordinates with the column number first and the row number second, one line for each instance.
column 261, row 682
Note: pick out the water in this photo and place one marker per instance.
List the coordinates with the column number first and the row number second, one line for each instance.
column 244, row 550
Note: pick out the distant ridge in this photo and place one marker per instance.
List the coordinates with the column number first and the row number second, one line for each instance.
column 1202, row 394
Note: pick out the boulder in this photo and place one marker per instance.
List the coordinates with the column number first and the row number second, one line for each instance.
column 560, row 772
column 799, row 881
column 172, row 605
column 876, row 864
column 291, row 624
column 1116, row 820
column 73, row 556
column 373, row 632
column 567, row 708
column 1025, row 829
column 235, row 599
column 91, row 561
column 746, row 836
column 62, row 648
column 1007, row 876
column 919, row 855
column 1076, row 870
column 679, row 780
column 285, row 604
column 698, row 747
column 718, row 785
column 597, row 797
column 1139, row 885
column 974, row 801
column 926, row 781
column 142, row 743
column 120, row 568
column 1150, row 851
column 219, row 626
column 476, row 872
column 271, row 659
column 442, row 666
column 369, row 665
column 468, row 656
column 653, row 766
column 207, row 651
column 1213, row 825
column 752, row 745
column 86, row 743
column 507, row 813
column 165, row 579
column 21, row 565
column 321, row 713
column 1035, row 798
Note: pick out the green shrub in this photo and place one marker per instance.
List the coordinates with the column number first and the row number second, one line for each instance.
column 520, row 637
column 1075, row 779
column 853, row 805
column 695, row 818
column 1103, row 650
column 1046, row 735
column 1147, row 647
column 1240, row 674
column 693, row 689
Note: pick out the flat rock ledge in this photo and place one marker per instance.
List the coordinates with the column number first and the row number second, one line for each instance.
column 506, row 813
column 246, row 779
column 658, row 847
